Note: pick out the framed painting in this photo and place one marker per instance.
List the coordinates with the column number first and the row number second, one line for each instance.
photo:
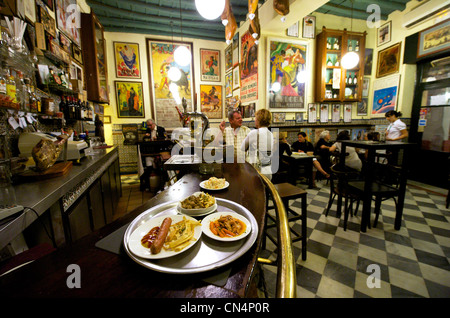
column 127, row 60
column 385, row 93
column 129, row 99
column 236, row 78
column 235, row 48
column 389, row 60
column 165, row 96
column 384, row 33
column 285, row 73
column 434, row 39
column 47, row 21
column 65, row 43
column 68, row 18
column 249, row 68
column 279, row 118
column 211, row 101
column 298, row 118
column 229, row 84
column 210, row 65
column 228, row 58
column 29, row 7
column 107, row 119
column 77, row 55
column 361, row 107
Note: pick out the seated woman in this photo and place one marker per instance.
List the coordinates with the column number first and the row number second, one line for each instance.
column 322, row 150
column 352, row 160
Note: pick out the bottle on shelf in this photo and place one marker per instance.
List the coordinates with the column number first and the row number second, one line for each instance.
column 62, row 107
column 11, row 90
column 336, row 44
column 87, row 139
column 328, row 44
column 355, row 79
column 33, row 99
column 329, row 62
column 82, row 110
column 22, row 92
column 3, row 93
column 357, row 46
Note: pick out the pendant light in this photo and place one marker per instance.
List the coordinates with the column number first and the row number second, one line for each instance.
column 210, row 9
column 182, row 55
column 350, row 59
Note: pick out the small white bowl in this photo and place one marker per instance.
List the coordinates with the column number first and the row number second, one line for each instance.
column 197, row 212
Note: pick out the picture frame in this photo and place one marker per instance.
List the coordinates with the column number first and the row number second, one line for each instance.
column 312, row 112
column 65, row 42
column 107, row 119
column 47, row 21
column 348, row 108
column 248, row 71
column 68, row 20
column 77, row 55
column 236, row 78
column 210, row 65
column 384, row 33
column 77, row 73
column 229, row 84
column 362, row 107
column 229, row 58
column 309, row 27
column 235, row 48
column 366, row 87
column 291, row 92
column 434, row 39
column 293, row 30
column 211, row 101
column 48, row 3
column 385, row 95
column 368, row 61
column 29, row 7
column 127, row 60
column 278, row 118
column 336, row 113
column 389, row 60
column 159, row 59
column 324, row 113
column 129, row 99
column 298, row 118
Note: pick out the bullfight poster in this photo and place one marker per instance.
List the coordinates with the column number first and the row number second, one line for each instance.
column 211, row 101
column 249, row 68
column 287, row 73
column 210, row 63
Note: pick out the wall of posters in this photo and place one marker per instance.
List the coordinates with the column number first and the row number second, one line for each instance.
column 126, row 57
column 287, row 61
column 211, row 101
column 249, row 68
column 210, row 65
column 160, row 59
column 130, row 99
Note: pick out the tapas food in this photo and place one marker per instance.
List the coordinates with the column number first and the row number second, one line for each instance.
column 197, row 204
column 226, row 226
column 214, row 183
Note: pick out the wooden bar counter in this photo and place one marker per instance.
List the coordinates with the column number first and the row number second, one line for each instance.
column 105, row 274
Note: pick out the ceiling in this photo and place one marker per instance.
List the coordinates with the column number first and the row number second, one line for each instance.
column 154, row 17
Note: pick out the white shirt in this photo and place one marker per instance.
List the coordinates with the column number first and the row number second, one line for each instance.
column 352, row 160
column 260, row 151
column 394, row 129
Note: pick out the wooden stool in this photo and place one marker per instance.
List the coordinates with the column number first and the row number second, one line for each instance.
column 289, row 192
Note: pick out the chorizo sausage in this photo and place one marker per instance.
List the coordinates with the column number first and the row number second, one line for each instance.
column 161, row 238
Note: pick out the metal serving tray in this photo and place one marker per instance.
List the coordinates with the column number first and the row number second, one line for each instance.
column 207, row 254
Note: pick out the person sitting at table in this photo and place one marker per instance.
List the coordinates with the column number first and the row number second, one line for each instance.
column 352, row 160
column 285, row 162
column 322, row 150
column 154, row 132
column 259, row 143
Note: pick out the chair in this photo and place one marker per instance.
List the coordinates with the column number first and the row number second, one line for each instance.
column 289, row 192
column 339, row 179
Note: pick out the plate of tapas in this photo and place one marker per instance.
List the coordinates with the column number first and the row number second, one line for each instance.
column 164, row 236
column 226, row 226
column 197, row 204
column 214, row 183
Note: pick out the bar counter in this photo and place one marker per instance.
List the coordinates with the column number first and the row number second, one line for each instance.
column 106, row 273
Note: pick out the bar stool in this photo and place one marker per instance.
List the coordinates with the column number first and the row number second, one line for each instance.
column 289, row 192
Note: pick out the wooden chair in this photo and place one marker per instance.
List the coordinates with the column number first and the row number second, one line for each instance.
column 289, row 192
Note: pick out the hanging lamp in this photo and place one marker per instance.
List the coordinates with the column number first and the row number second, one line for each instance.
column 182, row 54
column 210, row 9
column 350, row 59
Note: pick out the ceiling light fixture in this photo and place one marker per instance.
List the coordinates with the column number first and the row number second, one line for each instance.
column 182, row 55
column 350, row 59
column 210, row 9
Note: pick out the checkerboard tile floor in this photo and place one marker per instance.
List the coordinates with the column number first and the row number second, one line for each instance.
column 411, row 262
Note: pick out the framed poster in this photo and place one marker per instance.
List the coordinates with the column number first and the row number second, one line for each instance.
column 210, row 65
column 336, row 113
column 127, row 60
column 77, row 55
column 65, row 43
column 279, row 118
column 228, row 58
column 47, row 21
column 366, row 86
column 298, row 118
column 312, row 112
column 323, row 113
column 384, row 33
column 309, row 27
column 29, row 7
column 249, row 68
column 229, row 84
column 368, row 61
column 235, row 48
column 163, row 100
column 287, row 65
column 434, row 39
column 211, row 101
column 389, row 60
column 347, row 113
column 68, row 19
column 361, row 107
column 129, row 99
column 385, row 93
column 236, row 78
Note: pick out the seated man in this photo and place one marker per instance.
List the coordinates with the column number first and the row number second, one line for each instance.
column 154, row 132
column 302, row 145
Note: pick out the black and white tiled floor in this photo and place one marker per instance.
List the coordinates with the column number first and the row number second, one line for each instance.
column 411, row 262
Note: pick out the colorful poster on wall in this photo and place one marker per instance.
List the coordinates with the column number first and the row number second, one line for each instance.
column 68, row 19
column 129, row 99
column 211, row 101
column 286, row 73
column 210, row 63
column 165, row 96
column 127, row 60
column 385, row 93
column 249, row 68
column 229, row 84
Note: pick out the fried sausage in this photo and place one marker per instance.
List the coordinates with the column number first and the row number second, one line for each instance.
column 161, row 238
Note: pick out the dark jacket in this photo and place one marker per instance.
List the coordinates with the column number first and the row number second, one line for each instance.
column 160, row 132
column 302, row 146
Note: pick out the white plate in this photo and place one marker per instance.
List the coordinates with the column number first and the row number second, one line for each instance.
column 217, row 215
column 134, row 242
column 196, row 212
column 202, row 185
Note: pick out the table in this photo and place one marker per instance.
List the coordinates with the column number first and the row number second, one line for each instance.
column 108, row 274
column 372, row 147
column 301, row 158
